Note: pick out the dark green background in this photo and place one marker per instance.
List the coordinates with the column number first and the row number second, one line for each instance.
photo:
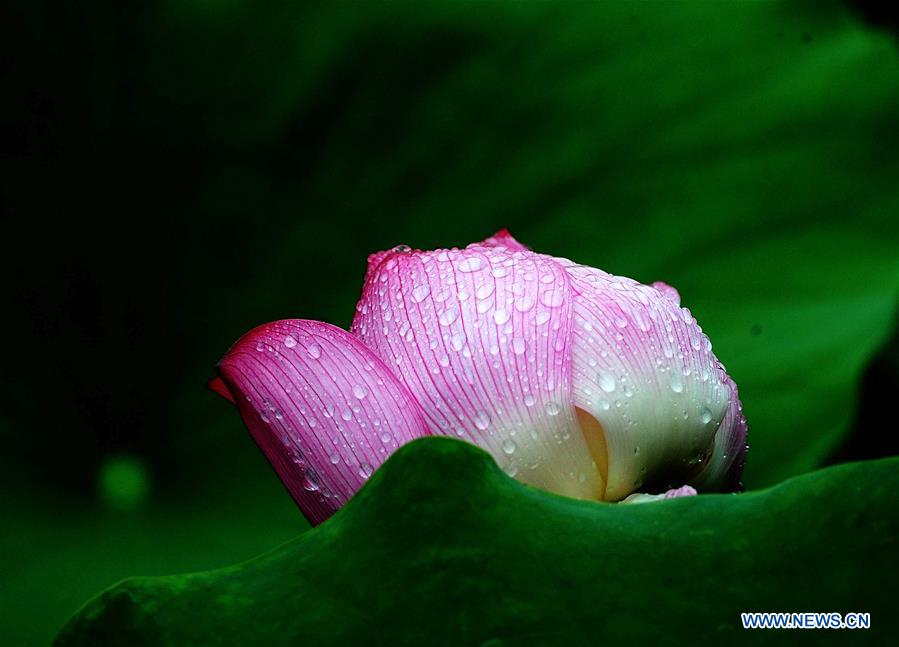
column 176, row 173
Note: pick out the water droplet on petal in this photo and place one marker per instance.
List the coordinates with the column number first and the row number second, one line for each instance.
column 420, row 293
column 314, row 350
column 290, row 341
column 524, row 303
column 470, row 264
column 605, row 380
column 518, row 345
column 482, row 420
column 346, row 414
column 360, row 391
column 501, row 317
column 365, row 470
column 485, row 290
column 552, row 298
column 509, row 446
column 553, row 408
column 706, row 416
column 310, row 481
column 448, row 316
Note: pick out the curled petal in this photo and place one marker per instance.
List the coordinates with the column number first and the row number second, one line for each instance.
column 481, row 338
column 217, row 385
column 645, row 377
column 725, row 466
column 322, row 407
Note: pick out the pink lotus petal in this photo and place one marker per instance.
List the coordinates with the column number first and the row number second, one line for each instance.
column 217, row 385
column 675, row 493
column 502, row 238
column 322, row 407
column 725, row 466
column 480, row 337
column 667, row 291
column 643, row 369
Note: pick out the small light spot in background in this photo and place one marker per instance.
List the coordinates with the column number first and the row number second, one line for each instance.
column 123, row 482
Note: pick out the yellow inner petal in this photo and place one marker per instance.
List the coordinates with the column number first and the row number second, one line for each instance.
column 595, row 436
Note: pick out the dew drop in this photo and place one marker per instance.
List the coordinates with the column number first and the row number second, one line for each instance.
column 552, row 298
column 448, row 316
column 310, row 481
column 420, row 293
column 501, row 317
column 485, row 290
column 290, row 341
column 365, row 470
column 642, row 323
column 705, row 416
column 524, row 303
column 518, row 345
column 470, row 264
column 360, row 392
column 606, row 381
column 509, row 446
column 346, row 414
column 482, row 420
column 314, row 350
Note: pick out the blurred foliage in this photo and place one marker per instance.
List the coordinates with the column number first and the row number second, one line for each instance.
column 175, row 175
column 440, row 530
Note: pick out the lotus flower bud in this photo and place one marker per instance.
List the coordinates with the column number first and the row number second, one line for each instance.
column 577, row 381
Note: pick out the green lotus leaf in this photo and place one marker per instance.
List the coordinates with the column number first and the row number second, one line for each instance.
column 441, row 547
